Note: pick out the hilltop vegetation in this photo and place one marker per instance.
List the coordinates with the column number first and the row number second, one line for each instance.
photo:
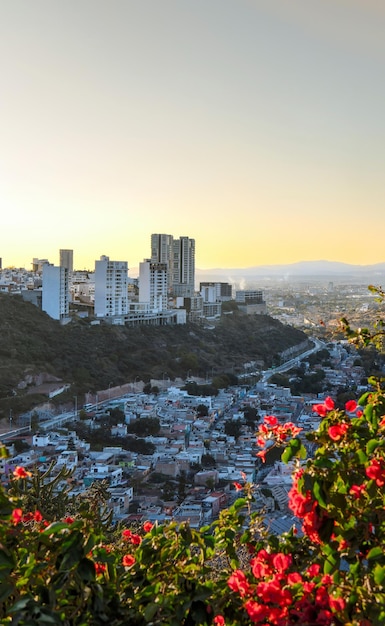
column 91, row 357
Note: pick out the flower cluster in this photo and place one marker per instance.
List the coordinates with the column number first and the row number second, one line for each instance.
column 305, row 507
column 271, row 430
column 277, row 594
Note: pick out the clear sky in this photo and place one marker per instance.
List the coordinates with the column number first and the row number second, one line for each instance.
column 256, row 127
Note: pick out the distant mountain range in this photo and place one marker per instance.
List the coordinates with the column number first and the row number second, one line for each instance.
column 302, row 269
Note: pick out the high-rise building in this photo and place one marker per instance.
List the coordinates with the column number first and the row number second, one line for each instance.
column 162, row 251
column 67, row 259
column 183, row 268
column 111, row 287
column 153, row 284
column 55, row 296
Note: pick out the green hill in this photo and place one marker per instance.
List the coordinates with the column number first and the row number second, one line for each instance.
column 91, row 357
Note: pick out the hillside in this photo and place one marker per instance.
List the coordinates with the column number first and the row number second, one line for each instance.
column 92, row 357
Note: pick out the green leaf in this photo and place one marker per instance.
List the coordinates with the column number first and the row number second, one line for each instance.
column 361, row 456
column 319, row 494
column 150, row 611
column 372, row 445
column 293, row 449
column 375, row 553
column 379, row 574
column 5, row 591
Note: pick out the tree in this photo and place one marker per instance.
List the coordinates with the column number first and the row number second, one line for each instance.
column 233, row 428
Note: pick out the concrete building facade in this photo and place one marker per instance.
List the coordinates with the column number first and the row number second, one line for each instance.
column 111, row 287
column 153, row 284
column 55, row 296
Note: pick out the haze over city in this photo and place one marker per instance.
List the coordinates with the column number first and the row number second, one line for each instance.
column 254, row 126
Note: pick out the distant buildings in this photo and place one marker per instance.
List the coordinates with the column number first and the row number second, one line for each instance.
column 67, row 259
column 111, row 287
column 216, row 292
column 153, row 283
column 179, row 256
column 183, row 269
column 55, row 297
column 250, row 301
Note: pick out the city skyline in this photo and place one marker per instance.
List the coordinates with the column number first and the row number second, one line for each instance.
column 254, row 127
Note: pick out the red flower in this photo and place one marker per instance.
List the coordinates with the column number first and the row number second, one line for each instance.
column 99, row 568
column 313, row 570
column 37, row 516
column 257, row 612
column 238, row 486
column 262, row 455
column 376, row 471
column 357, row 490
column 21, row 472
column 282, row 562
column 238, row 582
column 136, row 540
column 323, row 409
column 271, row 420
column 17, row 516
column 337, row 431
column 337, row 604
column 293, row 578
column 351, row 406
column 69, row 520
column 126, row 534
column 147, row 526
column 128, row 560
column 219, row 620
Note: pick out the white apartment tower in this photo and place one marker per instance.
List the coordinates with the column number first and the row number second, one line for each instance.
column 183, row 268
column 67, row 259
column 55, row 296
column 153, row 284
column 111, row 287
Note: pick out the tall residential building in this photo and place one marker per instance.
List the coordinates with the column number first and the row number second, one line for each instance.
column 153, row 284
column 183, row 268
column 111, row 287
column 67, row 259
column 162, row 251
column 55, row 297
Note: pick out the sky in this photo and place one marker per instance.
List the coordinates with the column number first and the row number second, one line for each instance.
column 255, row 127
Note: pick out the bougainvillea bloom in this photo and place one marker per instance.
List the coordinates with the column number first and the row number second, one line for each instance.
column 21, row 472
column 351, row 406
column 357, row 490
column 147, row 526
column 337, row 431
column 136, row 540
column 219, row 620
column 128, row 560
column 100, row 568
column 323, row 409
column 376, row 471
column 239, row 583
column 271, row 420
column 17, row 516
column 37, row 516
